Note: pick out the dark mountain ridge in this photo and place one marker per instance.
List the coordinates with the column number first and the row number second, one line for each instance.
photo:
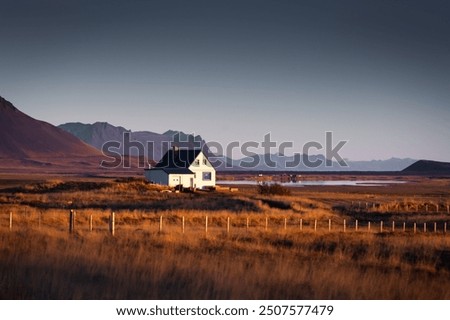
column 24, row 137
column 147, row 144
column 428, row 167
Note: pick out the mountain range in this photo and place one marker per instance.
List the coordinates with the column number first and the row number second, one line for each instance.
column 100, row 133
column 277, row 162
column 118, row 140
column 25, row 137
column 27, row 142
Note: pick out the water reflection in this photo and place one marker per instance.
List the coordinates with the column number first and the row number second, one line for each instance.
column 359, row 183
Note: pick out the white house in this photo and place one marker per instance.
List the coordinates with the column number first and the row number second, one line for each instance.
column 187, row 167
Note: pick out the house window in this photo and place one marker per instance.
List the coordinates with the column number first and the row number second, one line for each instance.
column 204, row 161
column 207, row 176
column 197, row 162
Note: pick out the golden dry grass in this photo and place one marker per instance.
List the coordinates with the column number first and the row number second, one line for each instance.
column 39, row 259
column 140, row 264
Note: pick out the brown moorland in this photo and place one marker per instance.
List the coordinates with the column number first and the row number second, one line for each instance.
column 254, row 246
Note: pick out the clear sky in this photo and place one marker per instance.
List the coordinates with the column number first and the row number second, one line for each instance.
column 376, row 73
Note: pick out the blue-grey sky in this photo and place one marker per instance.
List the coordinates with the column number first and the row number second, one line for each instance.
column 376, row 73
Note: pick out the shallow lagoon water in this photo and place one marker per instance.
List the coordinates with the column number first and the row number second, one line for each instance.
column 356, row 183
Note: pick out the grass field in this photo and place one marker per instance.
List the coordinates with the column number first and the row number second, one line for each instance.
column 40, row 259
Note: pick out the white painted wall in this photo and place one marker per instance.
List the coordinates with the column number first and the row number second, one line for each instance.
column 198, row 167
column 183, row 179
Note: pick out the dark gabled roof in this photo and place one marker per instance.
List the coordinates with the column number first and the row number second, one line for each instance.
column 178, row 159
column 176, row 170
column 172, row 170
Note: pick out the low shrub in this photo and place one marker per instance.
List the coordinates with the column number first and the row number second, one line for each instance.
column 273, row 189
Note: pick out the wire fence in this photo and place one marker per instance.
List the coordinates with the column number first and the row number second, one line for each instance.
column 423, row 207
column 114, row 223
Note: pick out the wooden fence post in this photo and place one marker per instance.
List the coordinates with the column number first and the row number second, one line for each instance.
column 112, row 223
column 445, row 227
column 182, row 224
column 71, row 221
column 285, row 224
column 247, row 223
column 435, row 227
column 448, row 209
column 228, row 224
column 10, row 220
column 404, row 226
column 356, row 225
column 415, row 227
column 393, row 226
column 368, row 226
column 301, row 224
column 344, row 225
column 329, row 225
column 267, row 223
column 160, row 223
column 206, row 224
column 381, row 226
column 315, row 225
column 90, row 223
column 424, row 227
